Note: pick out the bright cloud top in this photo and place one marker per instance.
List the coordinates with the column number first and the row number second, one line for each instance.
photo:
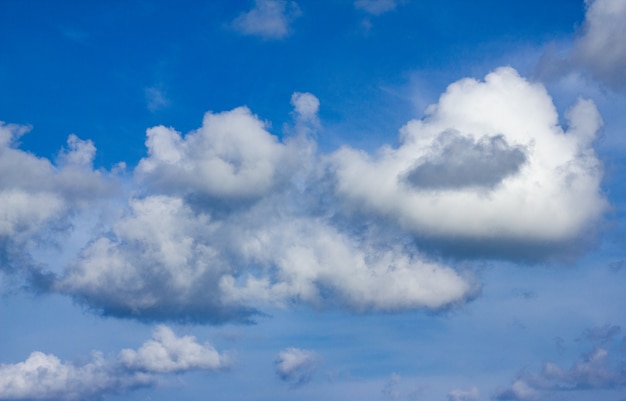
column 488, row 162
column 44, row 377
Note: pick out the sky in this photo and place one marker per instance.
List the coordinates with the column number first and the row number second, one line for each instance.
column 317, row 200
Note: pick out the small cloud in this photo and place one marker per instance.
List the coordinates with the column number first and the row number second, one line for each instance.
column 295, row 365
column 167, row 353
column 269, row 19
column 155, row 98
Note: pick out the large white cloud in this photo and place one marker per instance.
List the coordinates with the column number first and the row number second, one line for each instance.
column 191, row 255
column 602, row 45
column 488, row 162
column 45, row 377
column 165, row 261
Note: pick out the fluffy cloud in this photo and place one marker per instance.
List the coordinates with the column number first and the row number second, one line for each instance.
column 602, row 368
column 602, row 45
column 231, row 156
column 228, row 219
column 44, row 377
column 165, row 261
column 158, row 262
column 236, row 225
column 489, row 162
column 167, row 353
column 39, row 199
column 308, row 261
column 34, row 191
column 296, row 365
column 268, row 19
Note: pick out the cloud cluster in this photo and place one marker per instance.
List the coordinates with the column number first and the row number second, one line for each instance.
column 222, row 226
column 296, row 365
column 489, row 162
column 228, row 219
column 44, row 377
column 269, row 19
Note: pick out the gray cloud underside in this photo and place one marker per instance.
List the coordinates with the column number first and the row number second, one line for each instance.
column 462, row 162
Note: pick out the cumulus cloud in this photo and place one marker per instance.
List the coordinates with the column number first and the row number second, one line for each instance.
column 45, row 377
column 228, row 219
column 602, row 368
column 296, row 365
column 167, row 353
column 230, row 156
column 602, row 45
column 35, row 191
column 489, row 162
column 39, row 198
column 269, row 19
column 375, row 7
column 185, row 251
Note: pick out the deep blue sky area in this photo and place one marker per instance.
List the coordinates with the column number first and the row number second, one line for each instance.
column 84, row 66
column 313, row 200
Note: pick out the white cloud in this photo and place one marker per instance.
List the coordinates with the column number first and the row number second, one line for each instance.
column 230, row 156
column 167, row 353
column 296, row 365
column 602, row 45
column 309, row 259
column 269, row 19
column 197, row 254
column 45, row 377
column 489, row 162
column 39, row 198
column 306, row 106
column 375, row 7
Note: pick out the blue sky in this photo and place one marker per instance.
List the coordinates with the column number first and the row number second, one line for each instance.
column 316, row 200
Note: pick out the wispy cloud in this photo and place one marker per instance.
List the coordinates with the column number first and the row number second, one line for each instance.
column 156, row 98
column 601, row 368
column 268, row 19
column 376, row 7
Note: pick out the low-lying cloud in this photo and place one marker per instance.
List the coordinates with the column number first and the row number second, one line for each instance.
column 45, row 377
